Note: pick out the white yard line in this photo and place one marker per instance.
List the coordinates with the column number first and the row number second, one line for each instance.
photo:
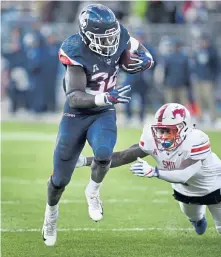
column 27, row 136
column 111, row 201
column 18, row 181
column 162, row 192
column 10, row 202
column 98, row 229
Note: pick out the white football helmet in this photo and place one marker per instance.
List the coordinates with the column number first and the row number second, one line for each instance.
column 176, row 120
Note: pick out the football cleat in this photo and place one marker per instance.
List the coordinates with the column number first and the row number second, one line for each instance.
column 200, row 226
column 95, row 209
column 49, row 232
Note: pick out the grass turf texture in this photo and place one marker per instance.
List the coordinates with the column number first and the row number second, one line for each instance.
column 129, row 203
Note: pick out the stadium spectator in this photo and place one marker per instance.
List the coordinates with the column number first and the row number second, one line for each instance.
column 18, row 89
column 12, row 48
column 51, row 66
column 205, row 66
column 176, row 74
column 35, row 66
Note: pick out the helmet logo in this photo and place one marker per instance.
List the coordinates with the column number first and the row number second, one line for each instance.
column 181, row 112
column 83, row 19
column 162, row 110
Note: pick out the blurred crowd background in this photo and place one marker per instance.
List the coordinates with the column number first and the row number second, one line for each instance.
column 183, row 37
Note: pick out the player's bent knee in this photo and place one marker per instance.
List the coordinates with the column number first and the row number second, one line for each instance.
column 60, row 182
column 64, row 147
column 103, row 153
column 102, row 164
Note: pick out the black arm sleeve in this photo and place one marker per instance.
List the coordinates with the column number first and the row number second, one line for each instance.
column 123, row 157
column 76, row 81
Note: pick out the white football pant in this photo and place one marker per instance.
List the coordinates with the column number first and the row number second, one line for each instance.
column 196, row 213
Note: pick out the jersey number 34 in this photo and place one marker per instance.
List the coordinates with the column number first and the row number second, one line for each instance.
column 105, row 81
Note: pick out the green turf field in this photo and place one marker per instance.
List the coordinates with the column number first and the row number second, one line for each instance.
column 140, row 216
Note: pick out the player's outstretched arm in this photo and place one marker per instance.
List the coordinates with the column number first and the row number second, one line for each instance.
column 123, row 157
column 142, row 169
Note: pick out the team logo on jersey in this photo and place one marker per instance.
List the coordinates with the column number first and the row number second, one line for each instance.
column 108, row 61
column 95, row 68
column 169, row 165
column 181, row 112
column 83, row 19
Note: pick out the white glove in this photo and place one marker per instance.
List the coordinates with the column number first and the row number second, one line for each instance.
column 143, row 169
column 82, row 161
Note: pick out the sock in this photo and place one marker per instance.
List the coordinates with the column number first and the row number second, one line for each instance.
column 93, row 187
column 52, row 209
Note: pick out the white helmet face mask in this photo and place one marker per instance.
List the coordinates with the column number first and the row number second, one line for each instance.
column 104, row 44
column 175, row 120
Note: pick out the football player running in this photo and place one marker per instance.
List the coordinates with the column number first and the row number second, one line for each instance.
column 91, row 58
column 184, row 158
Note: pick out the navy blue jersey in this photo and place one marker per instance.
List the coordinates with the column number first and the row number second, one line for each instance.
column 101, row 71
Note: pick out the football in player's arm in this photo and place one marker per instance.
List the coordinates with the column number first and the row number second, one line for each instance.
column 184, row 158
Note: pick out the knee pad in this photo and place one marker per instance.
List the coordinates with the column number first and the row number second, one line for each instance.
column 103, row 164
column 103, row 153
column 64, row 147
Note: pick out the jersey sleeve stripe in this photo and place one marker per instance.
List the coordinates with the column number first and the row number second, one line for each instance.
column 201, row 152
column 201, row 148
column 71, row 61
column 201, row 144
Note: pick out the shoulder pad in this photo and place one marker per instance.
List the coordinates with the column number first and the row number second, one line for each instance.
column 70, row 52
column 200, row 147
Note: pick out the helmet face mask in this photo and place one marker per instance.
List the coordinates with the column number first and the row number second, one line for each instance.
column 99, row 29
column 167, row 137
column 171, row 126
column 104, row 44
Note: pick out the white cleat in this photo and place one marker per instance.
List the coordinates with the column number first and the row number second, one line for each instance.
column 49, row 232
column 95, row 209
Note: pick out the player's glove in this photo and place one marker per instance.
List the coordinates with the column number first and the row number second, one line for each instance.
column 82, row 161
column 144, row 61
column 114, row 96
column 142, row 169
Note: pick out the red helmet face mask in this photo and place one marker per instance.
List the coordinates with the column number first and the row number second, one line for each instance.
column 166, row 137
column 171, row 125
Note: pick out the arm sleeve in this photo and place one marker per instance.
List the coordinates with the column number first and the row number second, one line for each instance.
column 179, row 176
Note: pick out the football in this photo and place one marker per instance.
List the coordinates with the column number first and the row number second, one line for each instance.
column 125, row 59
